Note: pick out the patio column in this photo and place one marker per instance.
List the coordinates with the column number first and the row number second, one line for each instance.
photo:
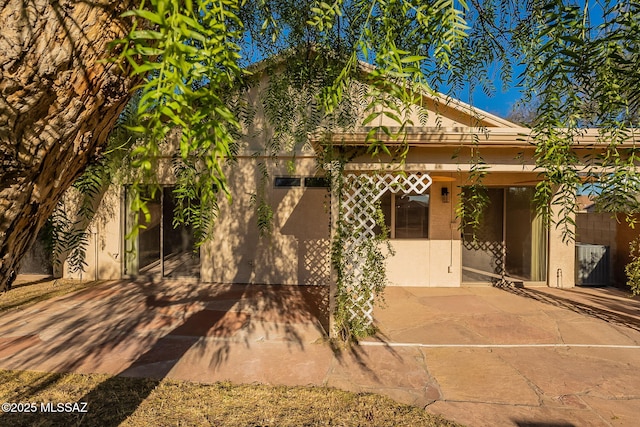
column 562, row 255
column 332, row 169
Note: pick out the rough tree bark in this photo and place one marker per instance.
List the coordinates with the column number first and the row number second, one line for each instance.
column 58, row 102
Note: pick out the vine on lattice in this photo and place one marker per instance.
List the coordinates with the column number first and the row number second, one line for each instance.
column 361, row 246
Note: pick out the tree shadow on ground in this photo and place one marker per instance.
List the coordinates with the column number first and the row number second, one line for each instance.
column 573, row 305
column 27, row 280
column 109, row 404
column 361, row 355
column 146, row 329
column 525, row 423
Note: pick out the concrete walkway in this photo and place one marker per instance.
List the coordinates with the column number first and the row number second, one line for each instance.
column 520, row 356
column 478, row 356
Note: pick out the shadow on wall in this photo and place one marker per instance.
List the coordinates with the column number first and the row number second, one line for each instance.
column 309, row 224
column 37, row 260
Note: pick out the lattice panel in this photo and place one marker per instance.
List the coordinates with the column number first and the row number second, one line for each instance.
column 359, row 196
column 316, row 260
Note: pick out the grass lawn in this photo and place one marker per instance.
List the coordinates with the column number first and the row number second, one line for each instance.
column 115, row 400
column 24, row 294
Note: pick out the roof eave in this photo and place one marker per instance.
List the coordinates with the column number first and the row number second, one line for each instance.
column 483, row 137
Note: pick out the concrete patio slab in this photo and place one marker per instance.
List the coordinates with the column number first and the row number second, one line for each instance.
column 478, row 375
column 478, row 356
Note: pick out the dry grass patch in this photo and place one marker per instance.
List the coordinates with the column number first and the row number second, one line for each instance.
column 137, row 402
column 24, row 294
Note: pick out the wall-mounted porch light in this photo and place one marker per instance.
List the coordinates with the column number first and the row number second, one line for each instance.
column 444, row 192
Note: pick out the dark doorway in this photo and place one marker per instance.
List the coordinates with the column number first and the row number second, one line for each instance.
column 162, row 248
column 511, row 241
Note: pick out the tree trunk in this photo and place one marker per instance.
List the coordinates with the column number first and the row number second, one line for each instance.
column 58, row 102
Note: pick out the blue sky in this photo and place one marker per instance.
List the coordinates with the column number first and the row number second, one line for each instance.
column 502, row 101
column 499, row 104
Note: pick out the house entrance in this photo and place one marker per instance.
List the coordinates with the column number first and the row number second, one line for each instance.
column 511, row 242
column 161, row 248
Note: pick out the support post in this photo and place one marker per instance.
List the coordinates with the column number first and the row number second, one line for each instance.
column 562, row 254
column 333, row 169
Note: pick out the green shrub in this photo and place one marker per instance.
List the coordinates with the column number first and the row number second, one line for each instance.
column 632, row 269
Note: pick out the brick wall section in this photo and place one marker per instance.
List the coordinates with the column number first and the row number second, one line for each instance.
column 597, row 229
column 603, row 229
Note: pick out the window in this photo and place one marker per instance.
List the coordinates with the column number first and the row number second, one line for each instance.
column 316, row 182
column 406, row 215
column 287, row 181
column 309, row 182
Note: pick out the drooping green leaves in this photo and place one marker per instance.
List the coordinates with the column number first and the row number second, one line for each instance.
column 69, row 227
column 579, row 71
column 188, row 52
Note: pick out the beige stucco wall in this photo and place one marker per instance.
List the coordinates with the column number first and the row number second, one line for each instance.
column 434, row 261
column 562, row 255
column 104, row 252
column 297, row 249
column 434, row 112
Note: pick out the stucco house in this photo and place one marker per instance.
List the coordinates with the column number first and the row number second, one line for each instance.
column 430, row 248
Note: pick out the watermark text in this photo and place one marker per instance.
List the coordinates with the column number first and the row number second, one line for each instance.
column 46, row 407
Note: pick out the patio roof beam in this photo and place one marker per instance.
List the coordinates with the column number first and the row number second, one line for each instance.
column 481, row 137
column 459, row 167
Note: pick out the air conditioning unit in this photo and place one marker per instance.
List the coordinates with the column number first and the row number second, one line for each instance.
column 592, row 265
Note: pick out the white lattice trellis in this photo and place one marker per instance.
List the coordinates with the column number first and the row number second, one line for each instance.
column 360, row 192
column 316, row 261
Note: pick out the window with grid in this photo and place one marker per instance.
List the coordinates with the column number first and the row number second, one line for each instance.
column 406, row 215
